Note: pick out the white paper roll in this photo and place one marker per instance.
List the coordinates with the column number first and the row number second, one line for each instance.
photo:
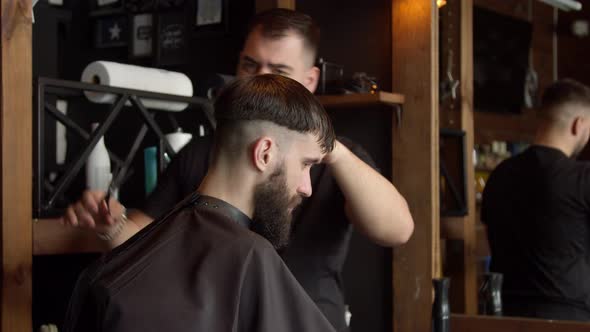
column 139, row 78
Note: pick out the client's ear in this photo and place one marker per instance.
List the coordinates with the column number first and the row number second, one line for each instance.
column 263, row 151
column 578, row 125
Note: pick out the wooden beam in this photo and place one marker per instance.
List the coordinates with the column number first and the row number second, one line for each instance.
column 15, row 160
column 362, row 99
column 466, row 323
column 469, row 269
column 262, row 5
column 415, row 160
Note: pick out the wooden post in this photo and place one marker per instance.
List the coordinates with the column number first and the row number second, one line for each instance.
column 469, row 262
column 262, row 5
column 415, row 160
column 16, row 163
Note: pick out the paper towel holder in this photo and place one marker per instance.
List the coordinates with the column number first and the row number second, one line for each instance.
column 47, row 194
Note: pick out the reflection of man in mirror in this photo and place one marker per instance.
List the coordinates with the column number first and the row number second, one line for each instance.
column 537, row 209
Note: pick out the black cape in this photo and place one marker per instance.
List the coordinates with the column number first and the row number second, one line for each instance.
column 197, row 269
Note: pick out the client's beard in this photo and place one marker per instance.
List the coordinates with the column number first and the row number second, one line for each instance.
column 272, row 217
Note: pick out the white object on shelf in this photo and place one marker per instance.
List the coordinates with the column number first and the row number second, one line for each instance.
column 178, row 139
column 48, row 328
column 60, row 134
column 347, row 315
column 138, row 78
column 98, row 166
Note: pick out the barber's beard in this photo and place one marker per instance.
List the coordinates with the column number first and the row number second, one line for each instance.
column 273, row 209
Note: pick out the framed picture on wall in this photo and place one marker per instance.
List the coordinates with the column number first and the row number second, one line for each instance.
column 142, row 31
column 453, row 183
column 171, row 43
column 211, row 17
column 111, row 31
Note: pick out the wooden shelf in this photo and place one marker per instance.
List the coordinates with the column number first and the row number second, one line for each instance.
column 52, row 238
column 362, row 99
column 480, row 323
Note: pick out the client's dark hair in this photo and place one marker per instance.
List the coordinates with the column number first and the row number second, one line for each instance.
column 277, row 99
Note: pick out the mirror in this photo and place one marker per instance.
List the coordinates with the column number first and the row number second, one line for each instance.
column 556, row 51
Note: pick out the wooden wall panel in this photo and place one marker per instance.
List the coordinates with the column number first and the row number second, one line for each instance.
column 464, row 323
column 415, row 160
column 16, row 163
column 467, row 124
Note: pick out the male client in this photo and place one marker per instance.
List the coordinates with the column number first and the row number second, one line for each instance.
column 203, row 267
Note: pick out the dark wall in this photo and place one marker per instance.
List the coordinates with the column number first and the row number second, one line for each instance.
column 357, row 35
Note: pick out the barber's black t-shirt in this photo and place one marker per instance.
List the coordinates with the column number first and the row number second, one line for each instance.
column 537, row 209
column 321, row 233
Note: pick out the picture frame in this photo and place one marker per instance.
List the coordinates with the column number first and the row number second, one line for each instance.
column 111, row 31
column 211, row 17
column 171, row 42
column 141, row 40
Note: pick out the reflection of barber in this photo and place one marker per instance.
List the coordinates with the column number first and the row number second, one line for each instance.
column 345, row 187
column 537, row 209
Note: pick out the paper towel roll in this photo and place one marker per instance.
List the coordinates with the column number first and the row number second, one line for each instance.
column 139, row 78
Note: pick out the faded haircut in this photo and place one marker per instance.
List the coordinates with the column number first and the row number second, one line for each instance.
column 562, row 93
column 276, row 99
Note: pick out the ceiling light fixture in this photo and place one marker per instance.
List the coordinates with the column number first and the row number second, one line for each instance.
column 565, row 5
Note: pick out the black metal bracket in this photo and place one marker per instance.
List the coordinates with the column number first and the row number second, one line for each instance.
column 46, row 86
column 458, row 190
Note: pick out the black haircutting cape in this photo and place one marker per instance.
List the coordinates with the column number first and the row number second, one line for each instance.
column 199, row 268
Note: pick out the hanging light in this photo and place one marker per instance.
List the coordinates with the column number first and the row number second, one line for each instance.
column 441, row 3
column 565, row 5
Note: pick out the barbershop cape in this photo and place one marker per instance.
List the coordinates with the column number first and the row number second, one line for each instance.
column 199, row 268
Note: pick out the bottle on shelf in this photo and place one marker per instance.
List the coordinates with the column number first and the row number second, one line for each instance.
column 98, row 166
column 441, row 311
column 490, row 294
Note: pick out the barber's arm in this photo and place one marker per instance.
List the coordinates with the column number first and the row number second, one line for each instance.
column 112, row 224
column 373, row 204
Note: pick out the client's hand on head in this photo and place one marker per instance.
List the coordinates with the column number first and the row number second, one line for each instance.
column 92, row 212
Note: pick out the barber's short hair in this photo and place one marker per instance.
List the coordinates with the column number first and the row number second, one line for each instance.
column 277, row 99
column 278, row 22
column 561, row 93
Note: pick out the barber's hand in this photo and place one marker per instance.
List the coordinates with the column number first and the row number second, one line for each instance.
column 92, row 212
column 335, row 154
